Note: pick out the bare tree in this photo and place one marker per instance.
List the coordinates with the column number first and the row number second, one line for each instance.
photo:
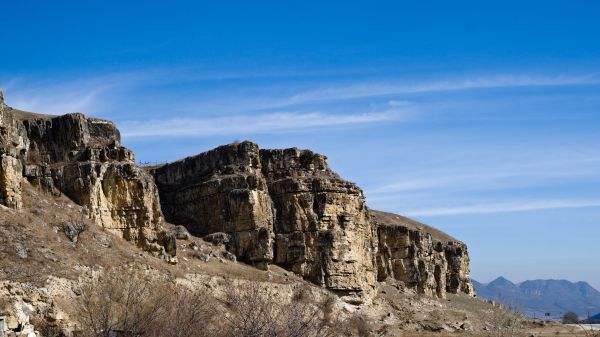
column 121, row 303
column 254, row 312
column 190, row 313
column 570, row 318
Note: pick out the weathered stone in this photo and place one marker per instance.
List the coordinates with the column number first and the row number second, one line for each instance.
column 13, row 144
column 90, row 166
column 169, row 241
column 321, row 225
column 408, row 252
column 82, row 158
column 323, row 228
column 180, row 232
column 10, row 181
column 222, row 190
column 218, row 238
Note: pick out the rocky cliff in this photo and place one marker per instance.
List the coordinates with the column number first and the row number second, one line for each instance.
column 82, row 158
column 322, row 225
column 421, row 257
column 279, row 206
column 287, row 207
column 13, row 144
column 222, row 190
column 283, row 207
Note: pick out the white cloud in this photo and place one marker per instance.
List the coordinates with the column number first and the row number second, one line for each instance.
column 504, row 207
column 363, row 90
column 246, row 124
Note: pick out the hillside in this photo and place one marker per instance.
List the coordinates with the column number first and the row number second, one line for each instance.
column 538, row 297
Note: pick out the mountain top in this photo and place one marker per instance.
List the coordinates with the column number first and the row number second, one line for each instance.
column 541, row 297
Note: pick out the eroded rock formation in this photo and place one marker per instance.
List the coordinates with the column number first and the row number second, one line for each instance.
column 322, row 225
column 222, row 190
column 82, row 158
column 284, row 207
column 422, row 258
column 13, row 144
column 280, row 206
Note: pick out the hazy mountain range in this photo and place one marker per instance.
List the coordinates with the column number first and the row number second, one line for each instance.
column 541, row 297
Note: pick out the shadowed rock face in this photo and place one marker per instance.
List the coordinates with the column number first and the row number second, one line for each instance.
column 82, row 158
column 222, row 190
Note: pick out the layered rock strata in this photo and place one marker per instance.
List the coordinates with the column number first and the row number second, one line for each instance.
column 280, row 206
column 411, row 253
column 222, row 190
column 82, row 158
column 13, row 144
column 322, row 225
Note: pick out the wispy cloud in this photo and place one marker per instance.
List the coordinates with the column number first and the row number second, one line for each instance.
column 87, row 93
column 504, row 207
column 247, row 124
column 362, row 90
column 492, row 179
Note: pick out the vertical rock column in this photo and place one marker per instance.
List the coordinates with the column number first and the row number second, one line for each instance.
column 323, row 230
column 12, row 146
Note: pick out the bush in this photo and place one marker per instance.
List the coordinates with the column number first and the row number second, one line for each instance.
column 126, row 304
column 570, row 318
column 254, row 312
column 505, row 323
column 132, row 304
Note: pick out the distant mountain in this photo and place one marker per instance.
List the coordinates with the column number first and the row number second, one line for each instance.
column 539, row 297
column 594, row 319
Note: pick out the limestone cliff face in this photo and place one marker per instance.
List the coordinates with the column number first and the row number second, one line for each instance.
column 13, row 143
column 280, row 206
column 322, row 225
column 82, row 158
column 423, row 259
column 222, row 190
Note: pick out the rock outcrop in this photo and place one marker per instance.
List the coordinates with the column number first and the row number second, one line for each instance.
column 13, row 144
column 279, row 206
column 82, row 158
column 322, row 226
column 222, row 190
column 422, row 258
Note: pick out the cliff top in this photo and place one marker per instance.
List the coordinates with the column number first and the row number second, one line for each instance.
column 386, row 218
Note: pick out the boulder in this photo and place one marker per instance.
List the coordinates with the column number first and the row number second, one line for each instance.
column 180, row 232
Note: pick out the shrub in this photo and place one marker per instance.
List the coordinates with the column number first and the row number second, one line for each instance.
column 570, row 318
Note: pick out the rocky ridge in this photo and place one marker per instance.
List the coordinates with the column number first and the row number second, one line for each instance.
column 282, row 207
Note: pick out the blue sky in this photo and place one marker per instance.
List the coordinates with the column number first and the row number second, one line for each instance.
column 479, row 119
